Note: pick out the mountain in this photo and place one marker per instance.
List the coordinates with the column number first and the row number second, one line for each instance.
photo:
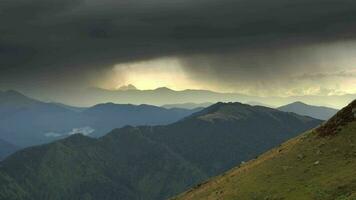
column 25, row 121
column 123, row 166
column 162, row 96
column 73, row 108
column 127, row 87
column 13, row 98
column 105, row 117
column 188, row 105
column 6, row 149
column 147, row 162
column 225, row 134
column 319, row 164
column 256, row 103
column 318, row 112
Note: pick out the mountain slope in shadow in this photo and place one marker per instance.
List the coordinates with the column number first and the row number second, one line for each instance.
column 319, row 164
column 148, row 162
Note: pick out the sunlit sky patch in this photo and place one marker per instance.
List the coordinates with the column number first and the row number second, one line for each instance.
column 150, row 74
column 328, row 69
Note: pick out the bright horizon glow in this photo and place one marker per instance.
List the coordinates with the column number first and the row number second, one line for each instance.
column 331, row 71
column 151, row 74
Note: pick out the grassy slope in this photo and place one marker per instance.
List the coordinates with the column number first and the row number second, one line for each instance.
column 307, row 167
column 223, row 135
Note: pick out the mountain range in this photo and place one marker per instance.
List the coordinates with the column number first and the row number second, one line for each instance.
column 188, row 105
column 148, row 162
column 207, row 104
column 319, row 164
column 25, row 121
column 318, row 112
column 163, row 95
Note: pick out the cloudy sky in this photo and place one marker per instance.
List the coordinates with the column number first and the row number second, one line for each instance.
column 256, row 47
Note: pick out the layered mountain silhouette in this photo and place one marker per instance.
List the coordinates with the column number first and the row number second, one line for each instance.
column 127, row 87
column 163, row 96
column 318, row 112
column 188, row 105
column 25, row 121
column 319, row 164
column 148, row 162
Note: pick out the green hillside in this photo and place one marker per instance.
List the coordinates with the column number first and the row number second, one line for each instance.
column 82, row 168
column 225, row 134
column 148, row 162
column 319, row 165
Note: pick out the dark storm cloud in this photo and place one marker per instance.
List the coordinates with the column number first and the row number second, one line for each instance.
column 44, row 41
column 318, row 76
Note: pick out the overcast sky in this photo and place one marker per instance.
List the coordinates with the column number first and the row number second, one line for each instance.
column 257, row 47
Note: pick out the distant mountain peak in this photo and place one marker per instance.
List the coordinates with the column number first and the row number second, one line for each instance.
column 298, row 103
column 225, row 111
column 15, row 97
column 221, row 106
column 13, row 93
column 301, row 108
column 343, row 117
column 127, row 87
column 163, row 89
column 301, row 103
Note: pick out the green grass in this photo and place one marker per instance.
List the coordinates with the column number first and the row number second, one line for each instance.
column 307, row 167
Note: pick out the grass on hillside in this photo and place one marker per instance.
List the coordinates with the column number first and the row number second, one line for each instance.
column 307, row 167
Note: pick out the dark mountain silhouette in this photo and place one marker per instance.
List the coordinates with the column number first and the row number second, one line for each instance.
column 163, row 96
column 160, row 96
column 148, row 162
column 319, row 164
column 237, row 132
column 188, row 105
column 318, row 112
column 26, row 122
column 105, row 117
column 127, row 87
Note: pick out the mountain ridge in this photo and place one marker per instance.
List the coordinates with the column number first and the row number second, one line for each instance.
column 144, row 162
column 318, row 164
column 344, row 116
column 319, row 112
column 25, row 121
column 92, row 96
